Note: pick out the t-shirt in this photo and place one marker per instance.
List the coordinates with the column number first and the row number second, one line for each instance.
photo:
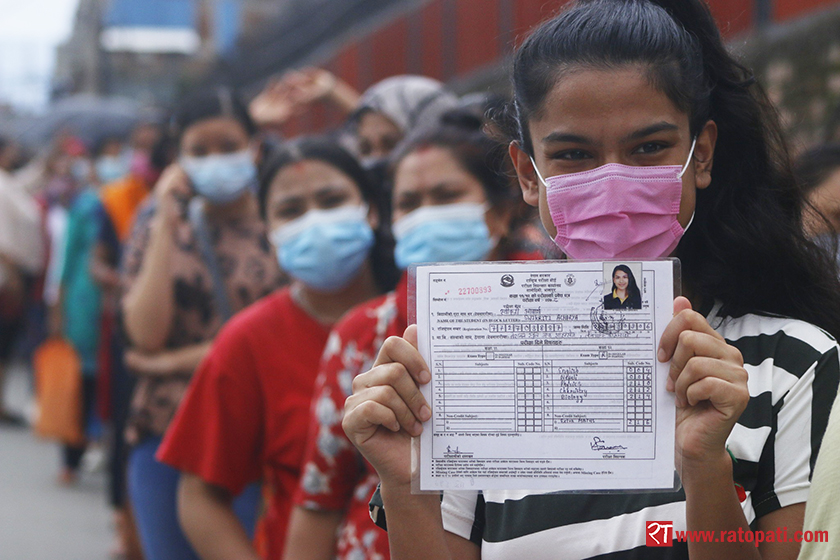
column 793, row 372
column 335, row 476
column 249, row 270
column 245, row 414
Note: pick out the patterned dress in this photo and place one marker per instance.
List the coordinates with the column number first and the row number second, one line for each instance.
column 250, row 271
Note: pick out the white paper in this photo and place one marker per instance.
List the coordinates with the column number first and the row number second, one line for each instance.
column 535, row 386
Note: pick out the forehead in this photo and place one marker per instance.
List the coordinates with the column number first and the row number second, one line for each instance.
column 427, row 167
column 602, row 104
column 302, row 178
column 215, row 128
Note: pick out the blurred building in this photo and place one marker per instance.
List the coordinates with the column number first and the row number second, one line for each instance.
column 151, row 50
column 467, row 43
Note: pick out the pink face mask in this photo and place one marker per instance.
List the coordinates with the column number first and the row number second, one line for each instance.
column 617, row 211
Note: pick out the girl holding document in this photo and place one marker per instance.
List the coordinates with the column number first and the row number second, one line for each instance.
column 622, row 110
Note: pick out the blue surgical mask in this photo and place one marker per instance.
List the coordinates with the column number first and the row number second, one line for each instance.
column 111, row 168
column 325, row 249
column 221, row 178
column 449, row 233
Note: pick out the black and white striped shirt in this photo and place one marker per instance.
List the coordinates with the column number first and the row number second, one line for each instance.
column 793, row 372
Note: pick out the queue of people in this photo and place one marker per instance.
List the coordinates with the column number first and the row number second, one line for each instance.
column 238, row 300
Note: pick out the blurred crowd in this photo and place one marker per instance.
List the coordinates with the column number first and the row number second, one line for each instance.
column 220, row 426
column 137, row 251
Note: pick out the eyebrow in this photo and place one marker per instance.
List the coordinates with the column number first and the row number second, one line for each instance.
column 652, row 129
column 641, row 133
column 564, row 137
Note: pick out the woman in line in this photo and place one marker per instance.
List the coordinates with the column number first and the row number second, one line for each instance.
column 197, row 253
column 245, row 416
column 624, row 106
column 625, row 293
column 452, row 202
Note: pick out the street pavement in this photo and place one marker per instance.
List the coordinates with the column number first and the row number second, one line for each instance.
column 39, row 519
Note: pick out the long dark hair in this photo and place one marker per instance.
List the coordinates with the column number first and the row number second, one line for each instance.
column 748, row 222
column 330, row 152
column 632, row 287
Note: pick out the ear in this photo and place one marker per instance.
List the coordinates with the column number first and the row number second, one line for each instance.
column 373, row 217
column 256, row 147
column 528, row 181
column 704, row 152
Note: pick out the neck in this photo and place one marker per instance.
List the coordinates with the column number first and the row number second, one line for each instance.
column 328, row 307
column 242, row 206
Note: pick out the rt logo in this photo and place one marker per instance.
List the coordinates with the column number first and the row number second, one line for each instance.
column 507, row 280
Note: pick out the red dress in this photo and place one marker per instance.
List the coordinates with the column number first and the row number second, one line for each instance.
column 246, row 412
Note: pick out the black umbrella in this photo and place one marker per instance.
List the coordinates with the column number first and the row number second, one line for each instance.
column 88, row 117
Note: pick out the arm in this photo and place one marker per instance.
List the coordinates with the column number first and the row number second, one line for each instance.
column 149, row 305
column 311, row 534
column 380, row 418
column 170, row 362
column 209, row 522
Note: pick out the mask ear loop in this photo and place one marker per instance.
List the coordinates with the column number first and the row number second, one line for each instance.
column 537, row 171
column 685, row 167
column 688, row 161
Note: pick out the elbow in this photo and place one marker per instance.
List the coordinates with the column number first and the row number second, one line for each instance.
column 142, row 333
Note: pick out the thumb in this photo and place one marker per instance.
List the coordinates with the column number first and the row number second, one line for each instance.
column 410, row 335
column 681, row 303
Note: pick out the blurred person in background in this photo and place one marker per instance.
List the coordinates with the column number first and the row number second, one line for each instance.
column 149, row 151
column 22, row 255
column 197, row 254
column 247, row 409
column 377, row 119
column 453, row 201
column 79, row 306
column 112, row 160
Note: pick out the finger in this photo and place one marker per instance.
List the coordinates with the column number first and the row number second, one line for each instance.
column 395, row 376
column 682, row 321
column 410, row 335
column 387, row 396
column 728, row 400
column 694, row 343
column 681, row 303
column 699, row 368
column 362, row 419
column 400, row 350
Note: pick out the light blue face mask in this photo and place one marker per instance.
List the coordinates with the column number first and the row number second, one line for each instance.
column 325, row 249
column 111, row 168
column 221, row 178
column 448, row 233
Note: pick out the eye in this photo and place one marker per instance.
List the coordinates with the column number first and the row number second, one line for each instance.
column 364, row 148
column 197, row 150
column 572, row 155
column 406, row 204
column 650, row 148
column 333, row 200
column 287, row 213
column 229, row 147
